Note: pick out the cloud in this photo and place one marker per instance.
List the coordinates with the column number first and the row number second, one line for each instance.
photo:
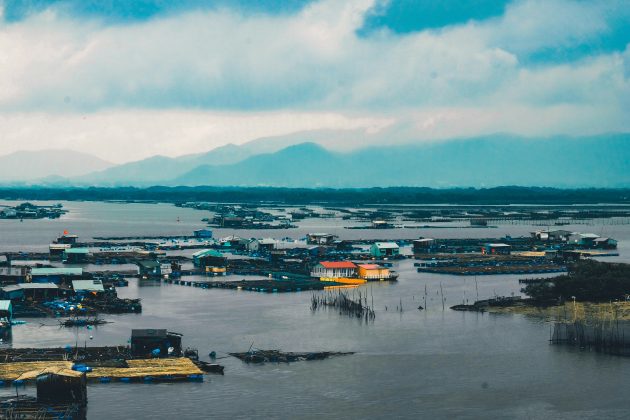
column 311, row 62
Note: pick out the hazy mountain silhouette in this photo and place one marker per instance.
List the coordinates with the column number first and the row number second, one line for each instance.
column 34, row 165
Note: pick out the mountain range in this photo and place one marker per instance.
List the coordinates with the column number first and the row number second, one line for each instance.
column 595, row 161
column 50, row 164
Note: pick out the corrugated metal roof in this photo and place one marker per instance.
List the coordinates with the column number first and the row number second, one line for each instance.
column 89, row 285
column 57, row 271
column 386, row 245
column 206, row 253
column 38, row 286
column 338, row 264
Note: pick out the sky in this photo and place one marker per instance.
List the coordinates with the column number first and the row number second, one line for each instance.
column 125, row 80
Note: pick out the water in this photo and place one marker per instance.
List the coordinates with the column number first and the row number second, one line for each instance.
column 414, row 364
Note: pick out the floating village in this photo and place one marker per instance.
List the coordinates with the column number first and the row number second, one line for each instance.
column 333, row 269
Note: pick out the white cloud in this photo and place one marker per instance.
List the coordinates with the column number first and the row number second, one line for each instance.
column 165, row 85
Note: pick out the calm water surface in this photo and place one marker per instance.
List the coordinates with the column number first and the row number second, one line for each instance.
column 415, row 364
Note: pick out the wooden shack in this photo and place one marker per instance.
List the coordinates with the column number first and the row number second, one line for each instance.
column 155, row 343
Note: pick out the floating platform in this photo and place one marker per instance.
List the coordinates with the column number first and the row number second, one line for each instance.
column 265, row 286
column 145, row 370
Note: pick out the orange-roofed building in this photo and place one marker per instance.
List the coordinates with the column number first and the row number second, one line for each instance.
column 373, row 272
column 334, row 269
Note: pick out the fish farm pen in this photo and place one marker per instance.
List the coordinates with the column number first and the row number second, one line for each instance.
column 266, row 286
column 27, row 408
column 277, row 356
column 610, row 337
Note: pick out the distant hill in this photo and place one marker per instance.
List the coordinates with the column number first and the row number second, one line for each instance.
column 162, row 169
column 601, row 161
column 30, row 166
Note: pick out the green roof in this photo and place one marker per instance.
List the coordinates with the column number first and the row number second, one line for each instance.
column 207, row 253
column 57, row 271
column 77, row 251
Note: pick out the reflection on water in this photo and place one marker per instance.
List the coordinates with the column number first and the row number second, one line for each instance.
column 431, row 363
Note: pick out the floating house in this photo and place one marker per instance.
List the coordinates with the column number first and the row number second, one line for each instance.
column 262, row 245
column 88, row 287
column 59, row 385
column 385, row 249
column 13, row 274
column 381, row 224
column 203, row 233
column 39, row 291
column 56, row 250
column 211, row 261
column 67, row 239
column 155, row 343
column 56, row 274
column 320, row 238
column 234, row 242
column 12, row 292
column 76, row 255
column 424, row 246
column 583, row 239
column 6, row 316
column 496, row 249
column 374, row 272
column 153, row 269
column 605, row 243
column 334, row 269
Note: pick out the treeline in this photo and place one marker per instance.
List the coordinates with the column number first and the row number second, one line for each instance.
column 590, row 281
column 354, row 196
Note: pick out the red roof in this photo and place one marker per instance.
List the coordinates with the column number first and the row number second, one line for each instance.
column 338, row 264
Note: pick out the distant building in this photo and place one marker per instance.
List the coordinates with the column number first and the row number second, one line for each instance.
column 423, row 246
column 59, row 385
column 234, row 242
column 39, row 291
column 67, row 239
column 13, row 274
column 76, row 255
column 605, row 243
column 262, row 245
column 496, row 249
column 373, row 272
column 153, row 269
column 155, row 343
column 6, row 316
column 558, row 235
column 381, row 224
column 385, row 249
column 209, row 258
column 56, row 250
column 203, row 234
column 583, row 239
column 85, row 287
column 334, row 269
column 56, row 274
column 320, row 238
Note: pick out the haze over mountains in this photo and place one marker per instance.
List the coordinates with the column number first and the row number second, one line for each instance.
column 598, row 161
column 35, row 165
